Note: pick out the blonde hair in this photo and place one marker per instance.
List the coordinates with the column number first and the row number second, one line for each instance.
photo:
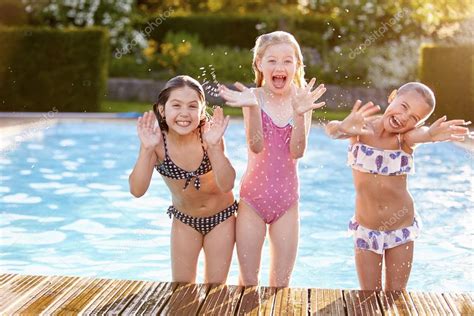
column 277, row 37
column 421, row 89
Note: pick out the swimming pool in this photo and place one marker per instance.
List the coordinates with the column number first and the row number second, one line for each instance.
column 66, row 210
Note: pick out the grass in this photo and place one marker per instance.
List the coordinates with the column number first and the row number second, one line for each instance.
column 140, row 107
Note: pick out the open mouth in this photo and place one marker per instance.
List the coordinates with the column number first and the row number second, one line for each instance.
column 183, row 123
column 279, row 81
column 395, row 123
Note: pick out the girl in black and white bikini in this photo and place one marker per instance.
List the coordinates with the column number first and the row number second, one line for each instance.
column 187, row 149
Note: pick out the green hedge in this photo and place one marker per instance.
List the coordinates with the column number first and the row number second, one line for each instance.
column 449, row 71
column 242, row 31
column 43, row 68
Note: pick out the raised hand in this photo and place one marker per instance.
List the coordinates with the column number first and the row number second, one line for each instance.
column 303, row 99
column 358, row 122
column 149, row 134
column 214, row 130
column 244, row 97
column 442, row 130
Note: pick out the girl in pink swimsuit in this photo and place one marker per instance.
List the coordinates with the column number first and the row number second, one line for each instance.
column 277, row 116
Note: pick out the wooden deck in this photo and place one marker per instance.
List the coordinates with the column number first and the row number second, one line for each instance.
column 60, row 295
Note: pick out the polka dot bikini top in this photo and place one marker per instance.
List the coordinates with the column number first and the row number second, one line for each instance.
column 169, row 169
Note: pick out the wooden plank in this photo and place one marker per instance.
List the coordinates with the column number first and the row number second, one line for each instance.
column 153, row 300
column 16, row 287
column 109, row 302
column 326, row 302
column 82, row 298
column 441, row 302
column 257, row 301
column 121, row 301
column 101, row 298
column 21, row 289
column 68, row 295
column 186, row 299
column 396, row 303
column 5, row 278
column 362, row 302
column 222, row 300
column 291, row 301
column 430, row 303
column 460, row 304
column 140, row 297
column 47, row 295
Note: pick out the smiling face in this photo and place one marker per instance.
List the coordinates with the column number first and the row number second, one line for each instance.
column 183, row 110
column 405, row 112
column 278, row 66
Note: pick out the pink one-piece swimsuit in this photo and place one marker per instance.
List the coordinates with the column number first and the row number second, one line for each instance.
column 270, row 183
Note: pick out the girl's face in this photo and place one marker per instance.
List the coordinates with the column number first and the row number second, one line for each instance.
column 278, row 66
column 405, row 112
column 183, row 110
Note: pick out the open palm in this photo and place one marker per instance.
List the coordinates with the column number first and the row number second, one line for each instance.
column 214, row 130
column 244, row 97
column 442, row 130
column 303, row 99
column 148, row 131
column 358, row 122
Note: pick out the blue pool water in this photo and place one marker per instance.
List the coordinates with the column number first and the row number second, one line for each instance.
column 66, row 210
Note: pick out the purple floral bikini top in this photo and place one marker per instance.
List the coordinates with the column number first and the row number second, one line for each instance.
column 388, row 162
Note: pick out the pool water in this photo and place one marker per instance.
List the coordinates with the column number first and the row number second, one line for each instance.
column 66, row 210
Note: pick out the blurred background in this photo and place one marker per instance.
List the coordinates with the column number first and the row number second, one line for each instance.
column 115, row 55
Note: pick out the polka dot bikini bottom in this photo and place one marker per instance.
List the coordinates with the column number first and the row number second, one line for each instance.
column 203, row 224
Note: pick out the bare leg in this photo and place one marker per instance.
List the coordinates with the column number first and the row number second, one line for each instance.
column 186, row 243
column 283, row 235
column 250, row 235
column 218, row 248
column 369, row 269
column 398, row 262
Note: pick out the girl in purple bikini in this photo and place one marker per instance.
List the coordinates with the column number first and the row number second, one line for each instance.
column 385, row 223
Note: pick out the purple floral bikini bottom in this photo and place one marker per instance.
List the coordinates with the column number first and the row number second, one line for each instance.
column 377, row 241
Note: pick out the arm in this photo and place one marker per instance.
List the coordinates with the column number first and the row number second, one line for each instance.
column 299, row 134
column 356, row 123
column 213, row 134
column 439, row 131
column 333, row 130
column 150, row 138
column 303, row 105
column 140, row 178
column 246, row 99
column 224, row 173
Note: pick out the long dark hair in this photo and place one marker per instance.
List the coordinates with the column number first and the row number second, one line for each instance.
column 173, row 84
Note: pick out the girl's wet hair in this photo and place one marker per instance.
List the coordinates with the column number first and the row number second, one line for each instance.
column 173, row 84
column 422, row 90
column 277, row 37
